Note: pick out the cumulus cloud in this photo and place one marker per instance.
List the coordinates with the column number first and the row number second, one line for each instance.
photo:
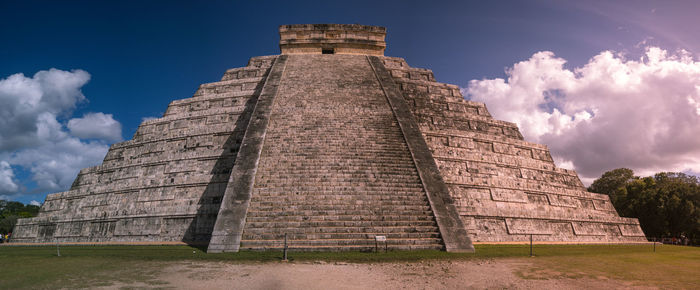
column 96, row 126
column 7, row 176
column 55, row 165
column 31, row 136
column 144, row 119
column 612, row 112
column 25, row 100
column 34, row 202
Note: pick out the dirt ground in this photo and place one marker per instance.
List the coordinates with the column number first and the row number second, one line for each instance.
column 481, row 274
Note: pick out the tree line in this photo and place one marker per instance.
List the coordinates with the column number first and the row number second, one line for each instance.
column 10, row 211
column 666, row 204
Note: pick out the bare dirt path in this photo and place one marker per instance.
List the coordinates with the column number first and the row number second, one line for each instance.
column 481, row 274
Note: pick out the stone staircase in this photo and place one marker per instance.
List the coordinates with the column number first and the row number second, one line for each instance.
column 504, row 187
column 335, row 170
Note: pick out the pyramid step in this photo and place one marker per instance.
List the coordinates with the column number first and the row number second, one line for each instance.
column 330, row 148
column 291, row 195
column 295, row 173
column 300, row 197
column 337, row 215
column 334, row 189
column 356, row 236
column 370, row 184
column 244, row 73
column 354, row 185
column 333, row 170
column 339, row 197
column 312, row 151
column 330, row 175
column 342, row 171
column 302, row 218
column 393, row 180
column 336, row 165
column 366, row 187
column 370, row 205
column 369, row 160
column 311, row 230
column 406, row 169
column 342, row 200
column 311, row 211
column 346, row 248
column 301, row 173
column 284, row 180
column 366, row 163
column 348, row 224
column 337, row 200
column 339, row 242
column 351, row 208
column 394, row 219
column 310, row 155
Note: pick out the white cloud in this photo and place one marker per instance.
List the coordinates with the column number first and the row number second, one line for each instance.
column 7, row 176
column 55, row 165
column 34, row 202
column 25, row 100
column 96, row 126
column 612, row 112
column 144, row 119
column 31, row 136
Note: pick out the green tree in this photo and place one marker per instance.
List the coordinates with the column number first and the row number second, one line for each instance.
column 642, row 202
column 679, row 194
column 10, row 211
column 7, row 223
column 667, row 204
column 613, row 184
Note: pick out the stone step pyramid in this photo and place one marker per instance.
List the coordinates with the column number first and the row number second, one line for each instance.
column 332, row 145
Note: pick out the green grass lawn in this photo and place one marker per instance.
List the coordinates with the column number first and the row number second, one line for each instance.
column 86, row 266
column 668, row 267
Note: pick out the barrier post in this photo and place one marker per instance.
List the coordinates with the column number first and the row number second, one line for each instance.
column 285, row 247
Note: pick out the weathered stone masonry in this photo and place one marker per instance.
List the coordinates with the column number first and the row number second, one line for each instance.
column 166, row 184
column 337, row 144
column 505, row 188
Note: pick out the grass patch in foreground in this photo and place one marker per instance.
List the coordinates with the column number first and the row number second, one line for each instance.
column 668, row 267
column 87, row 266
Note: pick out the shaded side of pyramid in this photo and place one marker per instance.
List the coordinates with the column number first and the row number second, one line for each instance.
column 164, row 185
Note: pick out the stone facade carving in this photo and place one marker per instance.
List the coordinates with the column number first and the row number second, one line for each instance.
column 334, row 150
column 332, row 39
column 166, row 184
column 506, row 188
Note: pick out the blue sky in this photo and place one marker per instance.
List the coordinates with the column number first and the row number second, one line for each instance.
column 140, row 55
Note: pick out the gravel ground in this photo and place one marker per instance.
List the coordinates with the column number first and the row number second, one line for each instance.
column 480, row 274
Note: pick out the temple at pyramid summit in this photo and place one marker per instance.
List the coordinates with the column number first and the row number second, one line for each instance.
column 335, row 146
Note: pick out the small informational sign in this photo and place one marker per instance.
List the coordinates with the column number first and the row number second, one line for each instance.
column 380, row 238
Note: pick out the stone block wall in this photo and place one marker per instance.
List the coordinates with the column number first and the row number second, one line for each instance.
column 334, row 171
column 165, row 184
column 342, row 148
column 334, row 38
column 505, row 188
